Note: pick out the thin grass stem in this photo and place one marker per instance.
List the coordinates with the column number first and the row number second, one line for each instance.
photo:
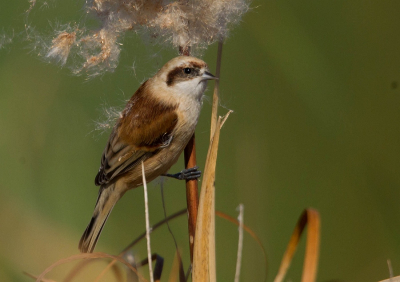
column 146, row 207
column 240, row 243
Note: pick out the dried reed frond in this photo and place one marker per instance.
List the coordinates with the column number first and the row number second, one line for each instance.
column 181, row 24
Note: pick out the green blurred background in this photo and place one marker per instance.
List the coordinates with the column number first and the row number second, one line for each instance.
column 315, row 90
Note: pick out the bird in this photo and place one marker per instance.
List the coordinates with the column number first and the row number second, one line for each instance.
column 154, row 128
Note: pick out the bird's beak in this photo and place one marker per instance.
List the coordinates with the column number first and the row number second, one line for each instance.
column 207, row 76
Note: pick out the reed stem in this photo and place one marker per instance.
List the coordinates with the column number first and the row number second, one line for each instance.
column 192, row 190
column 214, row 112
column 192, row 195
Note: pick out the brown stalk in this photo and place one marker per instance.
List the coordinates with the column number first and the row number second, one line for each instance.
column 192, row 194
column 192, row 190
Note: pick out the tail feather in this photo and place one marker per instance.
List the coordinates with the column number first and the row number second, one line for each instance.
column 105, row 202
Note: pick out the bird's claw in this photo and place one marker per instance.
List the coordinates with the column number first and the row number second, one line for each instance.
column 186, row 174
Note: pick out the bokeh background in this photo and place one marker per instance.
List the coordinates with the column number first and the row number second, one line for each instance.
column 315, row 91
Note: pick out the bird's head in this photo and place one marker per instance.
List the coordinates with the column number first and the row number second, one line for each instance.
column 185, row 75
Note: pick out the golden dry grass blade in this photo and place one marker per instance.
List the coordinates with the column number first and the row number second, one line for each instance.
column 35, row 277
column 176, row 264
column 309, row 217
column 205, row 229
column 225, row 117
column 212, row 259
column 252, row 234
column 116, row 270
column 117, row 273
column 80, row 266
column 393, row 279
column 214, row 111
column 312, row 248
column 104, row 271
column 88, row 256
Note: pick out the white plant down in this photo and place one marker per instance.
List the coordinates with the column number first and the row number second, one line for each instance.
column 195, row 24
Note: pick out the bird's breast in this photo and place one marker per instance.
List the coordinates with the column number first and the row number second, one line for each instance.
column 188, row 116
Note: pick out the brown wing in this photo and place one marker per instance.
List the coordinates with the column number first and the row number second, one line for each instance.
column 146, row 126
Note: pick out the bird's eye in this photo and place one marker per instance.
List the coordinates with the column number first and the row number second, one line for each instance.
column 187, row 70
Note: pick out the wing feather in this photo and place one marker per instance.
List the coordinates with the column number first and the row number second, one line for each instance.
column 146, row 126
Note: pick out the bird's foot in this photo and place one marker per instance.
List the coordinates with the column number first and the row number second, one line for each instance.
column 186, row 174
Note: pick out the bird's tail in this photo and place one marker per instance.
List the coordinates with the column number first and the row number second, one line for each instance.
column 106, row 200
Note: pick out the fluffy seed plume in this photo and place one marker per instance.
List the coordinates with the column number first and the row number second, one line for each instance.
column 110, row 116
column 5, row 39
column 61, row 46
column 191, row 24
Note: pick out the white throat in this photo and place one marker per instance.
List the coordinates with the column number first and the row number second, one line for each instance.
column 193, row 88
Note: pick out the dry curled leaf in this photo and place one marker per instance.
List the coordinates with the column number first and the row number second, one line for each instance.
column 309, row 218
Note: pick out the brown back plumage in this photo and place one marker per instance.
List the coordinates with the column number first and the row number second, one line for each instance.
column 150, row 121
column 146, row 126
